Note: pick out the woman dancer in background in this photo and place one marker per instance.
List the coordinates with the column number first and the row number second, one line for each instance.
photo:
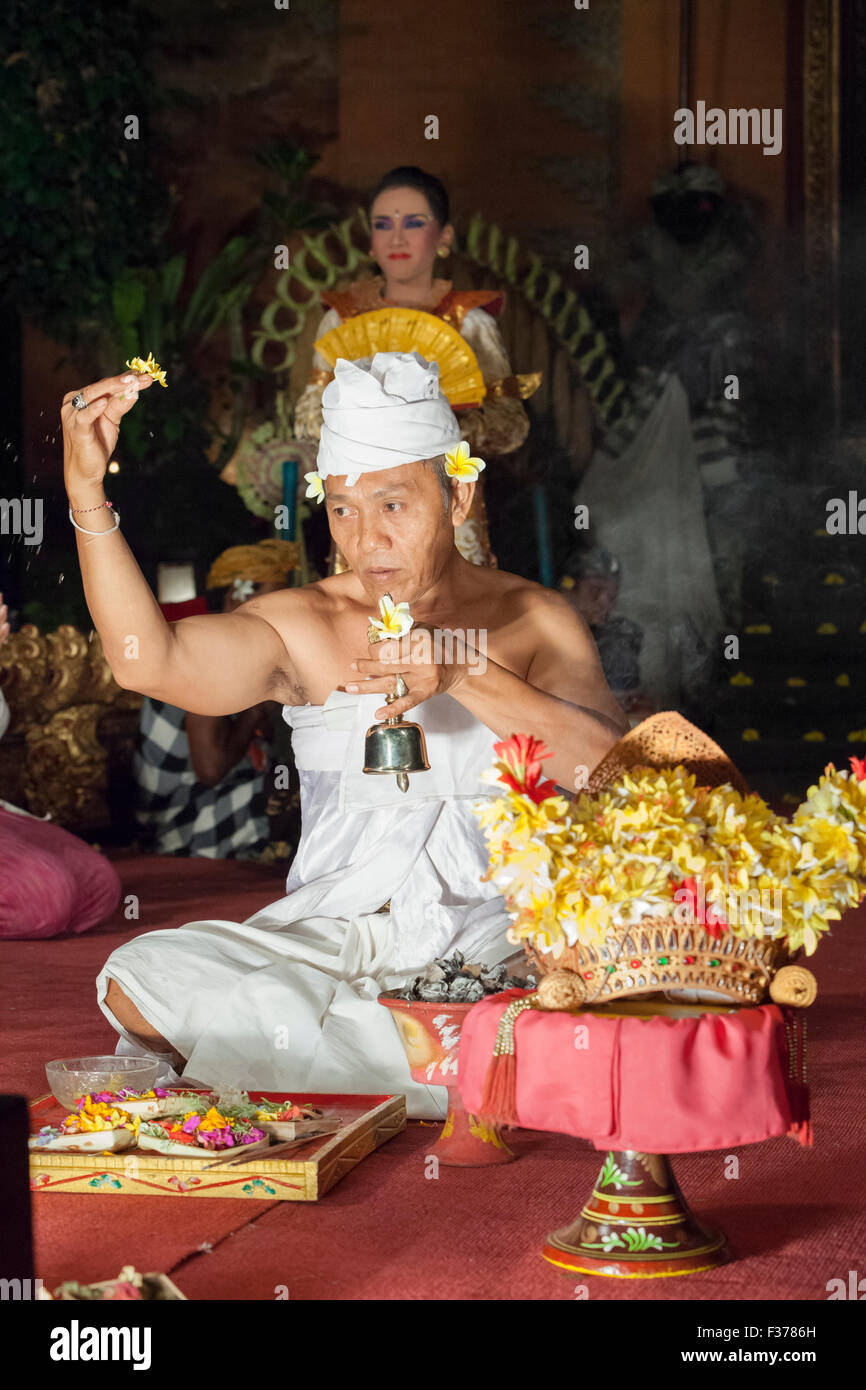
column 410, row 230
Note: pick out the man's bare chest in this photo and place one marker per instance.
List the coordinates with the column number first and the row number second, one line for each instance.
column 324, row 662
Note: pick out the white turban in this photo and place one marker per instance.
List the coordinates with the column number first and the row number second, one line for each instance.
column 383, row 411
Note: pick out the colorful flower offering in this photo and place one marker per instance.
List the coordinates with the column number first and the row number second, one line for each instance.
column 127, row 1093
column 285, row 1110
column 96, row 1125
column 94, row 1114
column 212, row 1130
column 147, row 1105
column 654, row 844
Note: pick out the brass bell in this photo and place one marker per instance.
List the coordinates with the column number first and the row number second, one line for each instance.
column 395, row 746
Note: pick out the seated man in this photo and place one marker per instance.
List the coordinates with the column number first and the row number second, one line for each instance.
column 590, row 585
column 200, row 779
column 287, row 1000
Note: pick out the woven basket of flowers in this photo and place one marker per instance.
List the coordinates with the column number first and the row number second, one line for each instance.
column 667, row 876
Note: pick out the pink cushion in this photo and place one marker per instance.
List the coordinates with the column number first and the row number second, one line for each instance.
column 656, row 1085
column 50, row 881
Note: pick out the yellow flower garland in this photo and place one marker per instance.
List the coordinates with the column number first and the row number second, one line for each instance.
column 572, row 871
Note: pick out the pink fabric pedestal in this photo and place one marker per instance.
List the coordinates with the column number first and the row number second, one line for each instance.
column 655, row 1085
column 50, row 881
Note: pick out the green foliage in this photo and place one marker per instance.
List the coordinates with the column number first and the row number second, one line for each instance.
column 52, row 592
column 53, row 611
column 76, row 197
column 172, row 503
column 288, row 207
column 179, row 506
column 85, row 254
column 149, row 315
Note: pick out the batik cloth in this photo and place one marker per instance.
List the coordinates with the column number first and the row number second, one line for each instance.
column 183, row 816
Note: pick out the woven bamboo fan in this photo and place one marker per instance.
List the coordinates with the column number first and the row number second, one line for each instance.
column 668, row 740
column 410, row 330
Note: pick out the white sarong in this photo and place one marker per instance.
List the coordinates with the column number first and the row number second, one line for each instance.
column 286, row 1001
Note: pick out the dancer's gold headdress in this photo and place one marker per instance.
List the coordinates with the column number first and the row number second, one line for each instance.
column 267, row 562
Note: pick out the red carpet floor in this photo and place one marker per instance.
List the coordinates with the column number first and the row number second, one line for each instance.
column 794, row 1217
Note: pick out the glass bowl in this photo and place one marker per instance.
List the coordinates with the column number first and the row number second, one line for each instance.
column 74, row 1077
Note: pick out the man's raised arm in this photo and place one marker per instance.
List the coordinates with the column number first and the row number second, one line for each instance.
column 214, row 664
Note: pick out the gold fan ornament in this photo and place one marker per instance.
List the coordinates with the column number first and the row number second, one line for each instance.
column 410, row 330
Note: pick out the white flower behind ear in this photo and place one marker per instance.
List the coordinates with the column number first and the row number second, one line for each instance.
column 315, row 486
column 459, row 464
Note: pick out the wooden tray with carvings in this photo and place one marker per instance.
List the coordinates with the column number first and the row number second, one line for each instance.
column 304, row 1174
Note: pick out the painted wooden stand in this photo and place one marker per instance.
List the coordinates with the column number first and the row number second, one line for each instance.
column 636, row 1224
column 430, row 1034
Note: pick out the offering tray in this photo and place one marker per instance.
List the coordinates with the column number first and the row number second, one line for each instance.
column 302, row 1174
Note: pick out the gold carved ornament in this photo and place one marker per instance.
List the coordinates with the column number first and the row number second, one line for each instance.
column 59, row 687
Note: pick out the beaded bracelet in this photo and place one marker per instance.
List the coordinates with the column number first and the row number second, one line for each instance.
column 115, row 527
column 79, row 511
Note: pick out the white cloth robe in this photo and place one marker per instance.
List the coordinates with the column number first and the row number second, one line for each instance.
column 286, row 1001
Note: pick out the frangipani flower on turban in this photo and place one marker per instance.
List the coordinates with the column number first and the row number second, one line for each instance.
column 459, row 464
column 315, row 486
column 395, row 620
column 151, row 368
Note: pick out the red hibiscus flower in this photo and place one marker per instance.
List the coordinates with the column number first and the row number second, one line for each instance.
column 858, row 767
column 522, row 756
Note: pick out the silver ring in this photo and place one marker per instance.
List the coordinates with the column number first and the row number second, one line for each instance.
column 400, row 689
column 79, row 401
